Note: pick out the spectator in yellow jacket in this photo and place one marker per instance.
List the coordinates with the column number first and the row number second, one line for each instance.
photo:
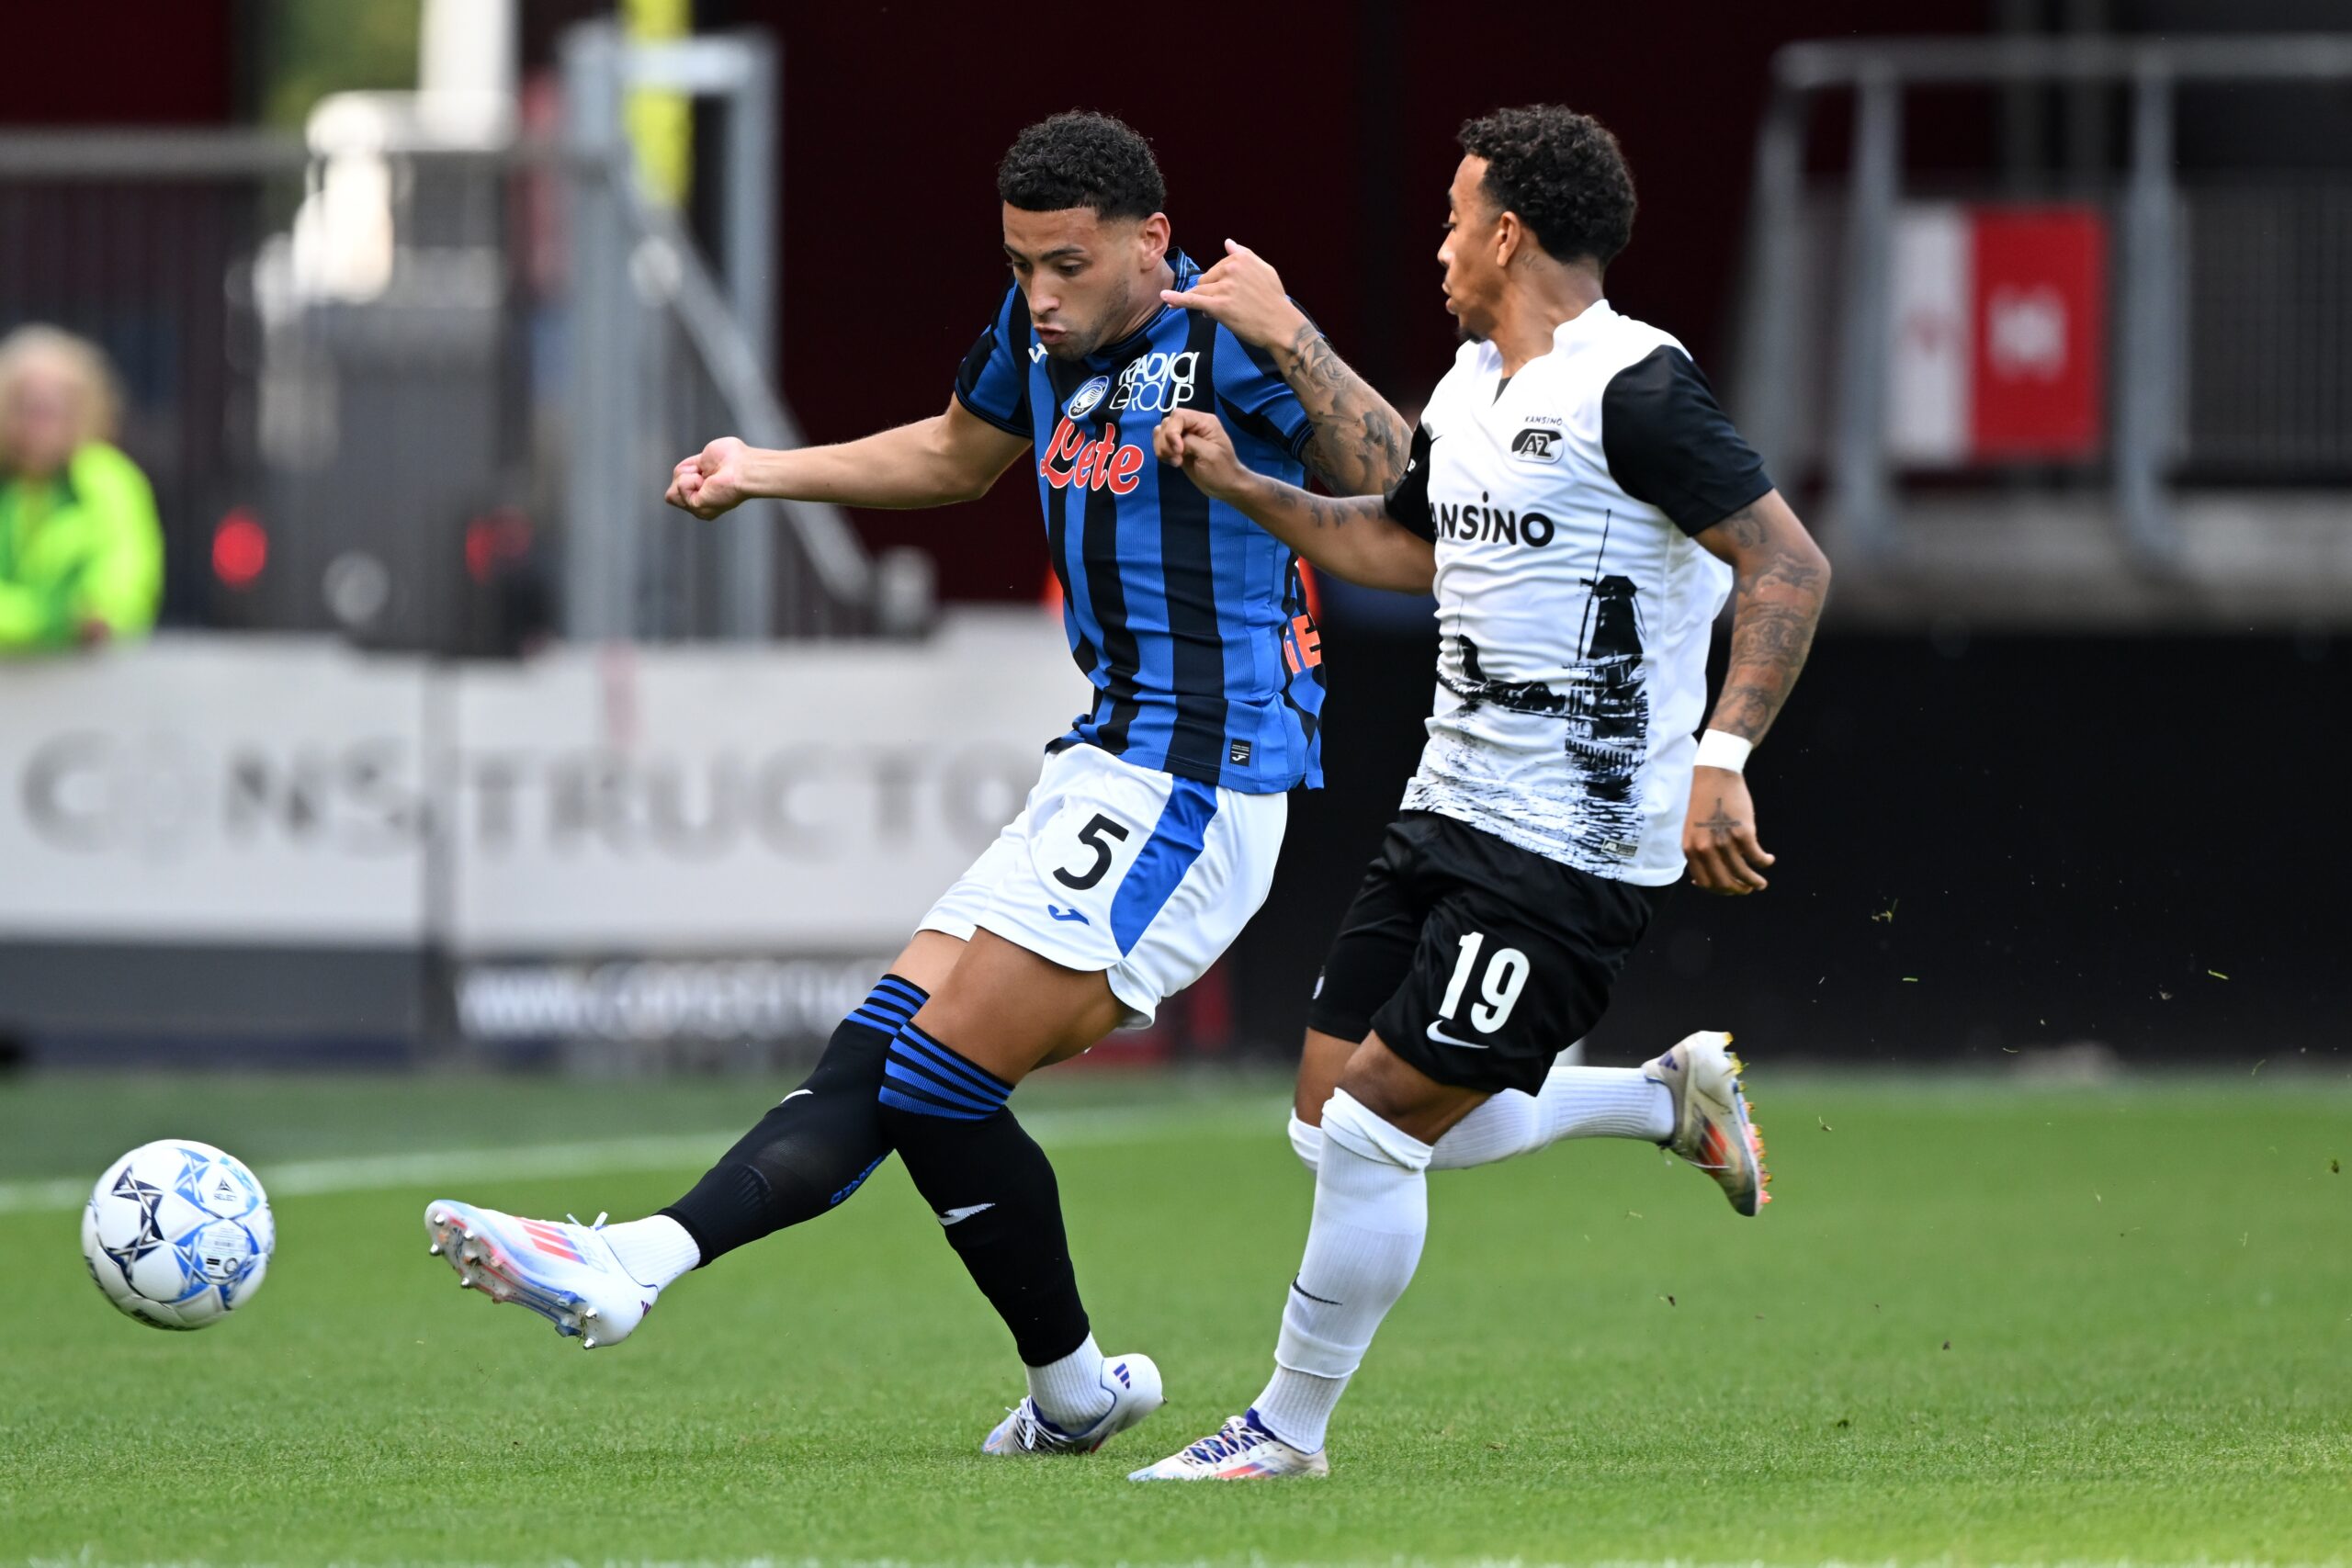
column 81, row 548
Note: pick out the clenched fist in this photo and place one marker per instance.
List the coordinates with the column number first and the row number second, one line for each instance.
column 712, row 480
column 1195, row 445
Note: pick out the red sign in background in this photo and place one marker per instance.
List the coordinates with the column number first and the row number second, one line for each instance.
column 2038, row 374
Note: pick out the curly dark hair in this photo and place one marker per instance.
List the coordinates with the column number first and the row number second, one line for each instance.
column 1563, row 173
column 1080, row 158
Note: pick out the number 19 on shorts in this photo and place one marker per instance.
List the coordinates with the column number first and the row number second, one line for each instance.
column 1498, row 987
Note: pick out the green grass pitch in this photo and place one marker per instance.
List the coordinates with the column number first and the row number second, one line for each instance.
column 1982, row 1324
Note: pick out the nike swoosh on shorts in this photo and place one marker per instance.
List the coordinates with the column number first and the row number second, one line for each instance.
column 1443, row 1038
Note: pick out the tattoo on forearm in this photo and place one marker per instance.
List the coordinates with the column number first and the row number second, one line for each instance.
column 1337, row 512
column 1745, row 528
column 1360, row 442
column 1777, row 602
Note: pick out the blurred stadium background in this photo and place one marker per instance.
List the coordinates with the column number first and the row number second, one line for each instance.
column 453, row 745
column 471, row 822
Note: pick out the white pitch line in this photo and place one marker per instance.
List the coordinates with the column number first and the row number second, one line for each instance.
column 87, row 1559
column 370, row 1173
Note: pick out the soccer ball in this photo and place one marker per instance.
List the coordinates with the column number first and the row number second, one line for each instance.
column 177, row 1233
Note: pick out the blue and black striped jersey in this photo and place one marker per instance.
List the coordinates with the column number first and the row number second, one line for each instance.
column 1190, row 619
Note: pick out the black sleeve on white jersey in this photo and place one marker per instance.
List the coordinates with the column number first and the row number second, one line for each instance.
column 1409, row 503
column 1669, row 443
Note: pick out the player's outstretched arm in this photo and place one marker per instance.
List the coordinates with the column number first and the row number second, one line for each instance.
column 949, row 458
column 1353, row 537
column 1360, row 441
column 1782, row 580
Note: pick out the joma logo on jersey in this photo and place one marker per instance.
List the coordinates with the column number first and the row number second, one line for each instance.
column 1157, row 382
column 1494, row 525
column 1536, row 445
column 1072, row 460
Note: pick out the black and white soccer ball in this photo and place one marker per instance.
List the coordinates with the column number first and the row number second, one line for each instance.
column 177, row 1233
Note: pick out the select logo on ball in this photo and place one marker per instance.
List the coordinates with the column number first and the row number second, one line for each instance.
column 177, row 1233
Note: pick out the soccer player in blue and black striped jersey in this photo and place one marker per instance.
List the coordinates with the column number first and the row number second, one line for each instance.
column 1151, row 836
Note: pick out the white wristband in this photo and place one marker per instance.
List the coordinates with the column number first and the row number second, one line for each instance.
column 1721, row 749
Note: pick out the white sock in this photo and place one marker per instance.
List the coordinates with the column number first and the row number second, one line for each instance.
column 1604, row 1102
column 1306, row 1142
column 1508, row 1124
column 1069, row 1392
column 1576, row 1102
column 655, row 1251
column 1372, row 1215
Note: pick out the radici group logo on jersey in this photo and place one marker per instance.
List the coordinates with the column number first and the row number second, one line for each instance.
column 1155, row 382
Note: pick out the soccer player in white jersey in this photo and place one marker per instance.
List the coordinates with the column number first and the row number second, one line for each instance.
column 1588, row 507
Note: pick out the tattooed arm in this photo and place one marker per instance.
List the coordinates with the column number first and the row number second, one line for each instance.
column 1358, row 444
column 1355, row 537
column 1782, row 579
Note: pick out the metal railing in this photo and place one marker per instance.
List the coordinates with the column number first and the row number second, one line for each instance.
column 665, row 350
column 2210, row 366
column 388, row 346
column 2268, row 314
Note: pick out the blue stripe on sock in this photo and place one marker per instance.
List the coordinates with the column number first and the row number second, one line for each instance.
column 896, row 1101
column 946, row 1073
column 1175, row 843
column 896, row 989
column 914, row 1077
column 980, row 1078
column 889, row 1005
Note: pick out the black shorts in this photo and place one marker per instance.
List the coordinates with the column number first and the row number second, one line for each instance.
column 1475, row 960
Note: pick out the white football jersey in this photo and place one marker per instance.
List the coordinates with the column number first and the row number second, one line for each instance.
column 1573, row 605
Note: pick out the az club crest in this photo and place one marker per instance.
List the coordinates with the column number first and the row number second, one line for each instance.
column 1536, row 445
column 1087, row 398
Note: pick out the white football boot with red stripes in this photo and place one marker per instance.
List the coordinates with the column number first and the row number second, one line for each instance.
column 1712, row 1129
column 565, row 1272
column 1239, row 1450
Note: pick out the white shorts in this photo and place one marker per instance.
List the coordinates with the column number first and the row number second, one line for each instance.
column 1122, row 869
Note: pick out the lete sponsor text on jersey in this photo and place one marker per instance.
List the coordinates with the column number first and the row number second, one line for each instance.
column 1097, row 464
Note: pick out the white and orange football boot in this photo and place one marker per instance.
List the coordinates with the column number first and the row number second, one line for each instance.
column 1239, row 1450
column 1712, row 1129
column 566, row 1272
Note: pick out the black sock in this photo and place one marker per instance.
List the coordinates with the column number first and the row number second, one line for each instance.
column 991, row 1187
column 816, row 1147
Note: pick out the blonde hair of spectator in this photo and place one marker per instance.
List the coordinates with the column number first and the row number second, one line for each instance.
column 75, row 360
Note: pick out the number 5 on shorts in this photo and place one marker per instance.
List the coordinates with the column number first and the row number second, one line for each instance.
column 1505, row 978
column 1091, row 836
